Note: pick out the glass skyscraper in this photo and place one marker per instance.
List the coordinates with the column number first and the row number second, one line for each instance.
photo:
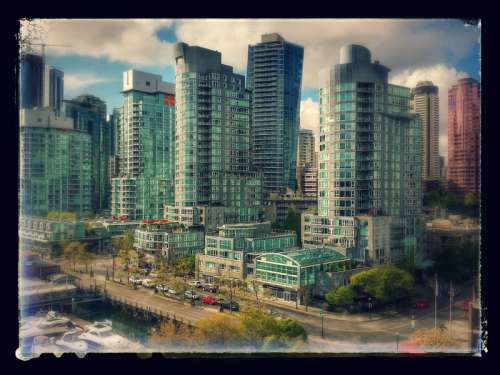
column 370, row 158
column 146, row 156
column 274, row 73
column 53, row 90
column 31, row 71
column 55, row 164
column 89, row 115
column 212, row 140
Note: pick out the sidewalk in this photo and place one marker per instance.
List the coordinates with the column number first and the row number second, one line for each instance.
column 315, row 311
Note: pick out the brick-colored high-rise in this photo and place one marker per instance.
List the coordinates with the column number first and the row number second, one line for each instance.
column 464, row 156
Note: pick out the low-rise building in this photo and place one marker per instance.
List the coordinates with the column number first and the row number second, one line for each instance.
column 285, row 273
column 370, row 239
column 167, row 240
column 46, row 232
column 212, row 217
column 230, row 253
column 283, row 202
column 118, row 228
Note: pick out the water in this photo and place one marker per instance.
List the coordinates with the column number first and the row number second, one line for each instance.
column 123, row 323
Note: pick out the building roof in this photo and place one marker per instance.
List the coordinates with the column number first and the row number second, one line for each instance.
column 310, row 256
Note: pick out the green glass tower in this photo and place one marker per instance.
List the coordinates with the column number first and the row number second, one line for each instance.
column 55, row 165
column 146, row 156
column 370, row 154
column 89, row 114
column 213, row 135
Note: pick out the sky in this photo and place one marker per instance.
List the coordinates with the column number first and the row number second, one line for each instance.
column 441, row 51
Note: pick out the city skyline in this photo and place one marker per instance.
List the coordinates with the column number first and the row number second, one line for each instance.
column 95, row 65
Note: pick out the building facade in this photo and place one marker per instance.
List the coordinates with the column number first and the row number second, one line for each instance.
column 305, row 156
column 274, row 73
column 31, row 74
column 88, row 114
column 53, row 90
column 55, row 164
column 145, row 149
column 231, row 252
column 309, row 182
column 286, row 274
column 282, row 202
column 168, row 241
column 212, row 157
column 464, row 137
column 370, row 149
column 425, row 103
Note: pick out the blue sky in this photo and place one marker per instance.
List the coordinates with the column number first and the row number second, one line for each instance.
column 437, row 50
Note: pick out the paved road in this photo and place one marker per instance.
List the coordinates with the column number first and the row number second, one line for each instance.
column 147, row 297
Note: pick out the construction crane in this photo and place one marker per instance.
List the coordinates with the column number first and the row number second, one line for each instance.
column 46, row 44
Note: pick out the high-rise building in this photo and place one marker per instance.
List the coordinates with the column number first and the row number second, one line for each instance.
column 443, row 172
column 55, row 164
column 146, row 132
column 305, row 155
column 212, row 140
column 89, row 115
column 369, row 157
column 53, row 88
column 309, row 182
column 425, row 103
column 31, row 71
column 274, row 73
column 464, row 131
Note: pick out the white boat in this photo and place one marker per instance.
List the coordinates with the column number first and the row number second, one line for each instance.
column 100, row 337
column 44, row 325
column 71, row 342
column 44, row 344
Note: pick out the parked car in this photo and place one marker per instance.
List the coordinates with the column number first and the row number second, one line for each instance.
column 207, row 299
column 170, row 291
column 148, row 283
column 196, row 283
column 161, row 288
column 209, row 288
column 135, row 280
column 233, row 306
column 423, row 303
column 191, row 295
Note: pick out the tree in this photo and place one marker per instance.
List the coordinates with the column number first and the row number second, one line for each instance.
column 292, row 221
column 431, row 337
column 470, row 199
column 291, row 329
column 457, row 259
column 84, row 256
column 173, row 335
column 341, row 296
column 71, row 252
column 185, row 266
column 221, row 330
column 388, row 284
column 305, row 293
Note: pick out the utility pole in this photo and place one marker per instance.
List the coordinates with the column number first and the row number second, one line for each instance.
column 435, row 304
column 322, row 318
column 452, row 292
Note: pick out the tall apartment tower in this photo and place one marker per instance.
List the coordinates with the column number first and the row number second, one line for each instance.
column 274, row 73
column 55, row 164
column 89, row 115
column 425, row 103
column 305, row 155
column 464, row 130
column 146, row 154
column 369, row 160
column 53, row 88
column 31, row 74
column 212, row 158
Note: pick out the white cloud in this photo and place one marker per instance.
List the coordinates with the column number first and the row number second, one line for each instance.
column 129, row 41
column 398, row 44
column 309, row 117
column 74, row 82
column 442, row 76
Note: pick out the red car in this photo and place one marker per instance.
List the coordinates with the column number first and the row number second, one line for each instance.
column 209, row 300
column 422, row 304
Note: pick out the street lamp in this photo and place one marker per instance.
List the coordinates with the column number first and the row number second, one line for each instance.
column 322, row 318
column 370, row 306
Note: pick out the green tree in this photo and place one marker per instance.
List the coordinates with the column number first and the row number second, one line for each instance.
column 457, row 259
column 470, row 199
column 84, row 256
column 291, row 329
column 71, row 252
column 305, row 294
column 341, row 296
column 62, row 215
column 388, row 284
column 185, row 266
column 292, row 221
